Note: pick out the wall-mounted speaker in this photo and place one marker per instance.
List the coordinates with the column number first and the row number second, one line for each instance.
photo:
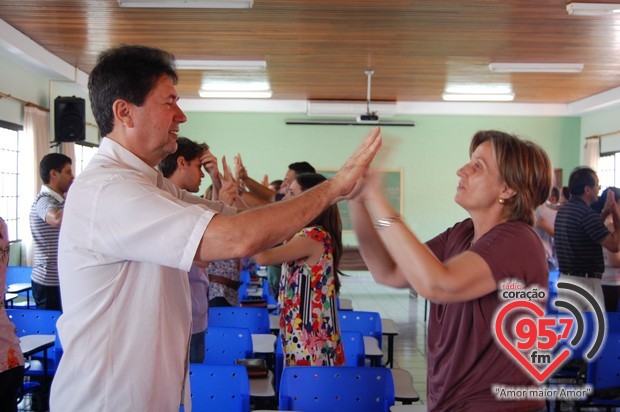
column 69, row 119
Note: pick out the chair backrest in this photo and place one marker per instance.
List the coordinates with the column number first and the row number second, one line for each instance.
column 354, row 351
column 219, row 387
column 368, row 323
column 336, row 389
column 18, row 274
column 604, row 370
column 34, row 321
column 613, row 322
column 279, row 362
column 254, row 319
column 223, row 345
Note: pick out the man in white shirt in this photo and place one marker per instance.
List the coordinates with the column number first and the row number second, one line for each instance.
column 129, row 236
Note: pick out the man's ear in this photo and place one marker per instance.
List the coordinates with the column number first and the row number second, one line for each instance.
column 53, row 175
column 122, row 112
column 181, row 162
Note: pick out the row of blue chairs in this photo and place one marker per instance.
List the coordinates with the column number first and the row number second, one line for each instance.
column 21, row 275
column 257, row 320
column 303, row 388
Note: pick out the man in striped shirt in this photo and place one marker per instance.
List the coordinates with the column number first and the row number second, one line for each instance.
column 45, row 219
column 580, row 233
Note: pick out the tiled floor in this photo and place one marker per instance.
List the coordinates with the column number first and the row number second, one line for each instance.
column 406, row 311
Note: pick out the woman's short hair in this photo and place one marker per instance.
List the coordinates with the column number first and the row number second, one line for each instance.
column 524, row 167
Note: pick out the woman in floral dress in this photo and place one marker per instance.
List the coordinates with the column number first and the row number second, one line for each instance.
column 309, row 285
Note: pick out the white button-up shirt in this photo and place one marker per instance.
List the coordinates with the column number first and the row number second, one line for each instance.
column 127, row 240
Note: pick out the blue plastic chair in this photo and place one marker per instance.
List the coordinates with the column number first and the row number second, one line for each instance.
column 38, row 322
column 604, row 374
column 354, row 354
column 336, row 389
column 574, row 369
column 34, row 321
column 223, row 345
column 354, row 351
column 219, row 387
column 368, row 323
column 254, row 319
column 613, row 322
column 21, row 274
column 18, row 274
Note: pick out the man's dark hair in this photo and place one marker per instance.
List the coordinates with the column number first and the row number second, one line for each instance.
column 302, row 167
column 188, row 149
column 128, row 73
column 52, row 161
column 555, row 192
column 579, row 179
column 565, row 192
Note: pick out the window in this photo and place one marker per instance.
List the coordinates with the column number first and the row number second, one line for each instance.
column 84, row 151
column 9, row 176
column 609, row 170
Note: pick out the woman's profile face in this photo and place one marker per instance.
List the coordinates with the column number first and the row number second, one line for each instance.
column 480, row 184
column 293, row 190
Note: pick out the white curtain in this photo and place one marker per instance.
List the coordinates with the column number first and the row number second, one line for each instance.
column 34, row 144
column 592, row 153
column 68, row 149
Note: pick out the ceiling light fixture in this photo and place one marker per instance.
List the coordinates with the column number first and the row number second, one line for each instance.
column 188, row 4
column 536, row 67
column 232, row 65
column 235, row 94
column 592, row 9
column 348, row 108
column 478, row 97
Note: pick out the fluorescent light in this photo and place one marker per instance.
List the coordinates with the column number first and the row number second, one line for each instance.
column 235, row 94
column 189, row 4
column 221, row 64
column 478, row 88
column 233, row 85
column 348, row 108
column 493, row 97
column 592, row 9
column 536, row 67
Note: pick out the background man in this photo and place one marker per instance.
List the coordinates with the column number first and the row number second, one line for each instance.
column 184, row 169
column 580, row 232
column 45, row 219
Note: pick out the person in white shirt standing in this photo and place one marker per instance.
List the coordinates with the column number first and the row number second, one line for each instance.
column 45, row 220
column 545, row 220
column 129, row 236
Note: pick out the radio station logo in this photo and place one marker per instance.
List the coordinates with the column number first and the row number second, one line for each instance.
column 542, row 338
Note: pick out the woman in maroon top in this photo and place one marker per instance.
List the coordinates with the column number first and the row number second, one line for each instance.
column 459, row 271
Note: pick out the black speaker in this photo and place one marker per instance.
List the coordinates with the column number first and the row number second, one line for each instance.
column 69, row 120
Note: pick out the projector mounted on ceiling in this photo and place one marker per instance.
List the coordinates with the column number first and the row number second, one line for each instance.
column 344, row 108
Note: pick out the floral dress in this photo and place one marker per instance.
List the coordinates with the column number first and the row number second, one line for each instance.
column 307, row 302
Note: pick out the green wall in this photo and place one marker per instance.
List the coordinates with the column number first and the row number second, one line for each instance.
column 429, row 153
column 600, row 122
column 24, row 84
